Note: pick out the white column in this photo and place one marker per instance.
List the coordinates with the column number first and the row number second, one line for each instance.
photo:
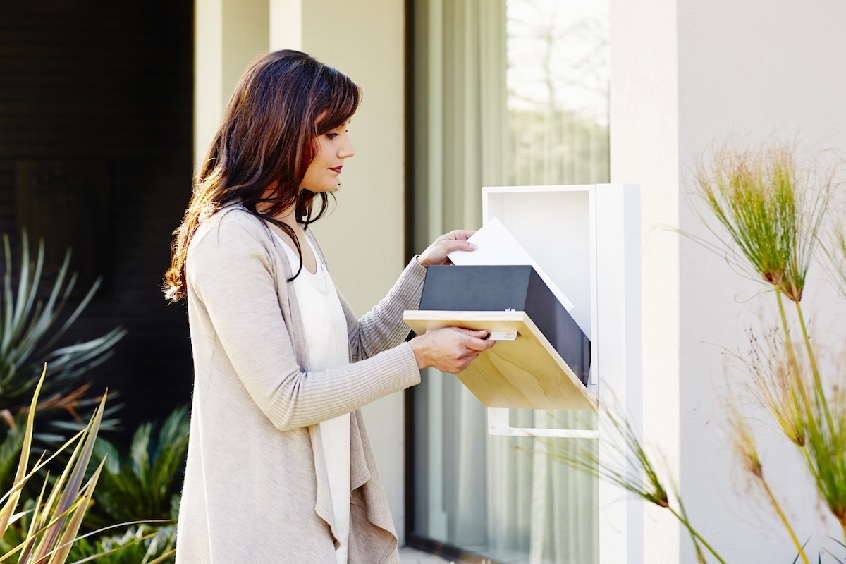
column 286, row 24
column 644, row 150
column 229, row 35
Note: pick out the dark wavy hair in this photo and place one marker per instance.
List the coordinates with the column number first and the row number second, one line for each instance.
column 265, row 142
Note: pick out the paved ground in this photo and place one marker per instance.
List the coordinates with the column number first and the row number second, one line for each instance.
column 411, row 556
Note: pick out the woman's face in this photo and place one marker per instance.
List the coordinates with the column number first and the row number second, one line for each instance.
column 322, row 174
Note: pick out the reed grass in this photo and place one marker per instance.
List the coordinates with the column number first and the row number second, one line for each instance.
column 835, row 253
column 768, row 216
column 634, row 471
column 773, row 213
column 746, row 449
column 769, row 210
column 775, row 383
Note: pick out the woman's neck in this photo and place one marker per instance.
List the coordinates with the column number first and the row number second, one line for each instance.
column 288, row 217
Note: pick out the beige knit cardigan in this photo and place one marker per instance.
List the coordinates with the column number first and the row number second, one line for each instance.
column 256, row 489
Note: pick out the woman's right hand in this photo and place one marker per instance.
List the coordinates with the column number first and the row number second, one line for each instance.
column 450, row 349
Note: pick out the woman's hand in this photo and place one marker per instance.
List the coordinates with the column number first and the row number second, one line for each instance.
column 437, row 252
column 450, row 349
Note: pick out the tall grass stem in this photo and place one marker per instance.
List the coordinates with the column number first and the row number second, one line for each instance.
column 815, row 370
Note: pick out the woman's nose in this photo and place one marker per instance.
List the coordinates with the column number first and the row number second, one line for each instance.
column 346, row 150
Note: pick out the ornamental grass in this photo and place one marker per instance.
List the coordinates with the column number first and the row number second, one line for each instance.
column 632, row 469
column 768, row 217
column 57, row 513
column 770, row 220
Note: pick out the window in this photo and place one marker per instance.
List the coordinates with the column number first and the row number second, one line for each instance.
column 505, row 92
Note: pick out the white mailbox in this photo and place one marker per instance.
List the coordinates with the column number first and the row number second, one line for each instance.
column 588, row 240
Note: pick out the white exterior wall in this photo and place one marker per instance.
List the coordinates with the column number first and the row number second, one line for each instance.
column 644, row 150
column 685, row 76
column 363, row 236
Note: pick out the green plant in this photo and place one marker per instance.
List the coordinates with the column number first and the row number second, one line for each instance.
column 52, row 522
column 773, row 212
column 634, row 470
column 30, row 328
column 141, row 544
column 145, row 482
column 769, row 216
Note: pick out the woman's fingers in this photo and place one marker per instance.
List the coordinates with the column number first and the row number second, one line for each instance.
column 459, row 234
column 450, row 349
column 436, row 253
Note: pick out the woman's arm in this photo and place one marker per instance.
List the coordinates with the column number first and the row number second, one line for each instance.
column 383, row 327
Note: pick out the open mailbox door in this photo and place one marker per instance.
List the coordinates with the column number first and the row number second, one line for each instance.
column 542, row 357
column 584, row 241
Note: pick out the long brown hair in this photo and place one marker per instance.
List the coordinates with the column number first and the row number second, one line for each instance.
column 264, row 144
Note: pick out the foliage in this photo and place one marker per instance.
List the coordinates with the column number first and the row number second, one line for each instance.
column 145, row 482
column 769, row 209
column 770, row 220
column 775, row 216
column 141, row 544
column 634, row 471
column 48, row 526
column 30, row 328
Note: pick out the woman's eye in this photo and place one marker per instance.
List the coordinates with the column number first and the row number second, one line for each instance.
column 331, row 136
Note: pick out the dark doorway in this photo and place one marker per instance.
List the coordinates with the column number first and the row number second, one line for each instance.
column 96, row 112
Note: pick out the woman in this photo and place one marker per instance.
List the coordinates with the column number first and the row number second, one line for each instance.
column 279, row 466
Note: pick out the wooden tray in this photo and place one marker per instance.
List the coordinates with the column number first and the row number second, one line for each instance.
column 525, row 373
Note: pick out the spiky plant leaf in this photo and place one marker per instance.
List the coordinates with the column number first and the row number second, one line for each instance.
column 145, row 481
column 30, row 329
column 71, row 493
column 63, row 547
column 633, row 470
column 53, row 523
column 826, row 445
column 10, row 504
column 140, row 544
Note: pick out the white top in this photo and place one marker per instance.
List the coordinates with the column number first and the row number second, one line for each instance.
column 328, row 347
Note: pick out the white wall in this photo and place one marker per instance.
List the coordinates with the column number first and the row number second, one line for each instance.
column 644, row 150
column 757, row 69
column 686, row 75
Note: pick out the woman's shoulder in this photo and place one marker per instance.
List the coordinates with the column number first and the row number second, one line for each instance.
column 231, row 226
column 230, row 218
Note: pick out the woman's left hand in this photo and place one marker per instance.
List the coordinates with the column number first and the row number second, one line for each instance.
column 437, row 252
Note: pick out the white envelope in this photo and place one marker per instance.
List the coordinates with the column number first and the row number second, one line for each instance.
column 496, row 246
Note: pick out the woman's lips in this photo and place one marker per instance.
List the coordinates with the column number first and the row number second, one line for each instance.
column 337, row 169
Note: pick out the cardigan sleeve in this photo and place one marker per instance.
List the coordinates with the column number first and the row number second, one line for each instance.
column 383, row 327
column 231, row 277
